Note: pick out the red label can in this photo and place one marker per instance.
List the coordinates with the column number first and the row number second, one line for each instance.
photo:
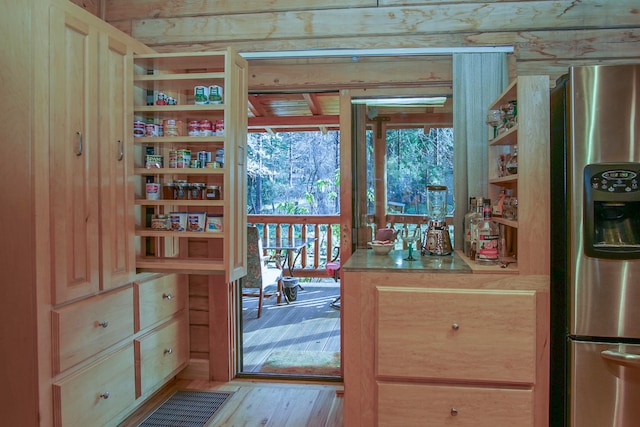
column 206, row 128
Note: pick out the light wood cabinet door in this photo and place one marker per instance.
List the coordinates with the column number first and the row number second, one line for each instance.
column 88, row 327
column 94, row 396
column 427, row 405
column 161, row 353
column 158, row 299
column 73, row 159
column 116, row 198
column 447, row 334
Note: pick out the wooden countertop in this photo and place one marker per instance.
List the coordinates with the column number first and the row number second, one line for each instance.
column 367, row 260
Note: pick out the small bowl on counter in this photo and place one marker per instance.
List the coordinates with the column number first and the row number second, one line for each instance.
column 382, row 247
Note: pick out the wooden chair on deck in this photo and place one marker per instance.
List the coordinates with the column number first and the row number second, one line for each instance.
column 333, row 270
column 261, row 276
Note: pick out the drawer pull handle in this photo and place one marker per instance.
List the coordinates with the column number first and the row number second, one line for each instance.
column 104, row 323
column 120, row 155
column 79, row 149
column 167, row 296
column 168, row 351
column 105, row 395
column 455, row 326
column 621, row 358
column 454, row 412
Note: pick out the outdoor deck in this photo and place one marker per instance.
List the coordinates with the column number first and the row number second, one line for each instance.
column 309, row 325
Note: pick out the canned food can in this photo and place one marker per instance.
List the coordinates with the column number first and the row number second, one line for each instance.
column 220, row 127
column 153, row 191
column 215, row 94
column 204, row 157
column 138, row 128
column 200, row 95
column 172, row 127
column 194, row 128
column 173, row 159
column 150, row 129
column 194, row 164
column 153, row 161
column 160, row 222
column 206, row 128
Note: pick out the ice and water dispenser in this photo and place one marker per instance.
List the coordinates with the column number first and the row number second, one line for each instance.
column 612, row 210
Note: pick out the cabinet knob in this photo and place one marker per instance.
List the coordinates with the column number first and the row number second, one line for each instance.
column 105, row 395
column 455, row 326
column 453, row 412
column 167, row 296
column 104, row 323
column 168, row 351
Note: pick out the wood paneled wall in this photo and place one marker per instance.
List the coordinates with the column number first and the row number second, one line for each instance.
column 547, row 36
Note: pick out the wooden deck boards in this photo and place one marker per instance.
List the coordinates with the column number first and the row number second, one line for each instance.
column 307, row 324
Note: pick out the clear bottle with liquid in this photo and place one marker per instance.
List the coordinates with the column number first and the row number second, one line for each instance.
column 466, row 222
column 474, row 219
column 487, row 252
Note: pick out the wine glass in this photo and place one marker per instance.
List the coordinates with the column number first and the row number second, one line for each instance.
column 411, row 234
column 494, row 118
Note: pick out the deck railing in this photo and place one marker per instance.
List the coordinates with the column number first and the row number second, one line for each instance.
column 313, row 258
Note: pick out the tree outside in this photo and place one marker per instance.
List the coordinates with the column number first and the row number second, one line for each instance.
column 293, row 173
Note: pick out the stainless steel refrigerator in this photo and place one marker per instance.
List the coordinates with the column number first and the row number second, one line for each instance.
column 595, row 248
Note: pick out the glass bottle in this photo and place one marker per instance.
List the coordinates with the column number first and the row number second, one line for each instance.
column 512, row 163
column 466, row 222
column 488, row 237
column 473, row 228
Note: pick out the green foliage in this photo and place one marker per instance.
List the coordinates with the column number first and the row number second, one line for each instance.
column 293, row 172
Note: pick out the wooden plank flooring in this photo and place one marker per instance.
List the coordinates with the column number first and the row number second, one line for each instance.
column 258, row 403
column 307, row 324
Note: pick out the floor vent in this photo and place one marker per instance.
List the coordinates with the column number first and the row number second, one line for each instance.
column 187, row 409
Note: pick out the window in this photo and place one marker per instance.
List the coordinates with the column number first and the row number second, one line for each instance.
column 415, row 159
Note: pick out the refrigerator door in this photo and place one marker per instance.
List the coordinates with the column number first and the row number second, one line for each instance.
column 605, row 384
column 604, row 124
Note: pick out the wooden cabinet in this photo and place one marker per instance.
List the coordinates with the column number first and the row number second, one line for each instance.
column 91, row 216
column 530, row 185
column 87, row 327
column 157, row 78
column 96, row 395
column 433, row 349
column 428, row 405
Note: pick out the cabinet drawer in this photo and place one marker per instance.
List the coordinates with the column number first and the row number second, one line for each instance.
column 158, row 299
column 437, row 405
column 479, row 335
column 85, row 328
column 95, row 395
column 161, row 353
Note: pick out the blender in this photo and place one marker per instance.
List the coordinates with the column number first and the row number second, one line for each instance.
column 437, row 240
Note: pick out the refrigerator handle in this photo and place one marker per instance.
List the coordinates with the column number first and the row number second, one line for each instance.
column 621, row 358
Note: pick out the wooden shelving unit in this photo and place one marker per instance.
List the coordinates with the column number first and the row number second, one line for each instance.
column 176, row 75
column 530, row 185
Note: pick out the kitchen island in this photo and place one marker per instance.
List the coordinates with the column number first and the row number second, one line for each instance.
column 441, row 340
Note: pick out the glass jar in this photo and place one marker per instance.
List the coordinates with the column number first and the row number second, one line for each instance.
column 213, row 192
column 168, row 191
column 196, row 190
column 182, row 190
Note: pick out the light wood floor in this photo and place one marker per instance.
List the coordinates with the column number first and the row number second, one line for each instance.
column 309, row 323
column 259, row 403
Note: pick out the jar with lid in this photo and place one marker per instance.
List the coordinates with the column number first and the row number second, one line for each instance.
column 168, row 191
column 196, row 190
column 212, row 192
column 182, row 189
